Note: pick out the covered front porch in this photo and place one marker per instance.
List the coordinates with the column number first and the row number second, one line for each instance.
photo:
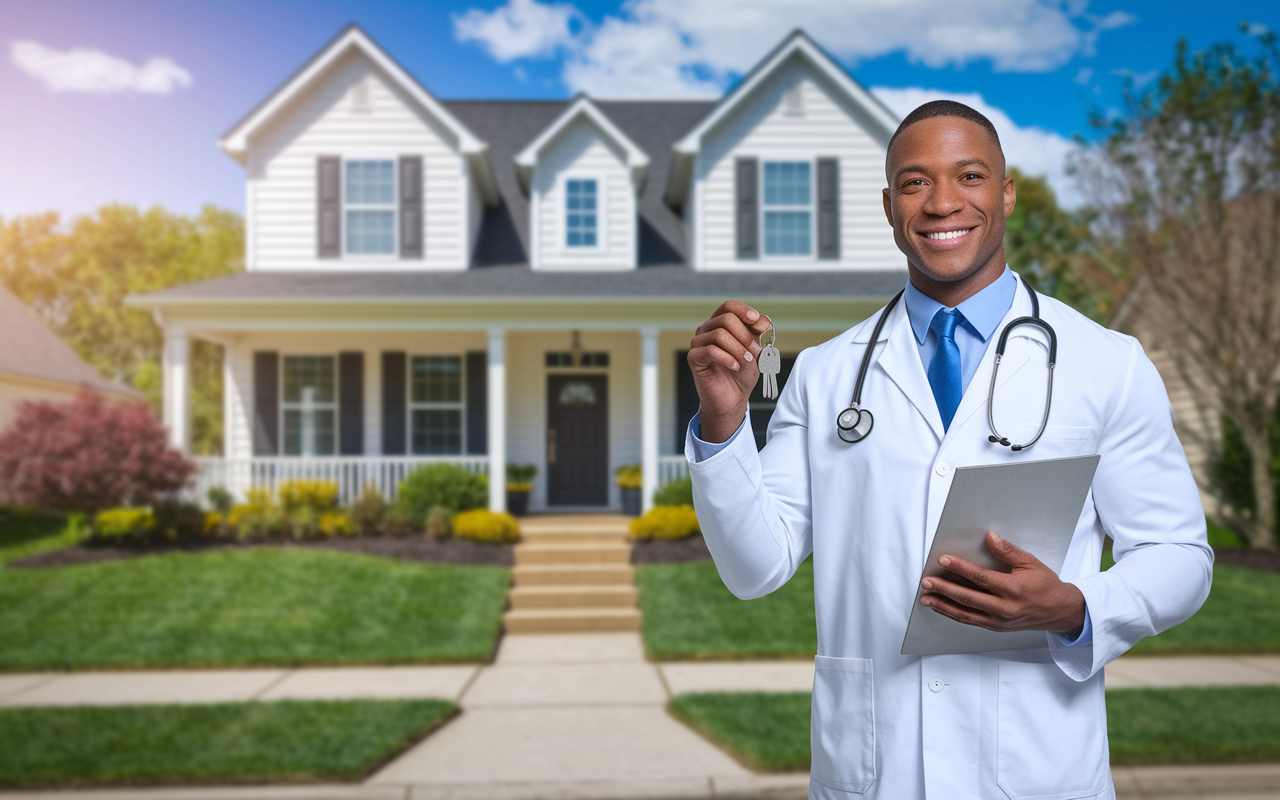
column 362, row 393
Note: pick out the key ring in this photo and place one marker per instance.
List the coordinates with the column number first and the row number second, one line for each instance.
column 774, row 339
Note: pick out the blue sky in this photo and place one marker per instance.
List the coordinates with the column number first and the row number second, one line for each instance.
column 123, row 100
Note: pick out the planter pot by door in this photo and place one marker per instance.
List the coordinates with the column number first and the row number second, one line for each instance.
column 631, row 502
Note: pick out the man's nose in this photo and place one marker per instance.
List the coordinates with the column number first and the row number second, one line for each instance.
column 943, row 199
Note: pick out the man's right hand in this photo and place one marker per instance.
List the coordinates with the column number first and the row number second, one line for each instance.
column 722, row 356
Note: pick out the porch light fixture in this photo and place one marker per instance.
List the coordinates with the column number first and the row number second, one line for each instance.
column 575, row 350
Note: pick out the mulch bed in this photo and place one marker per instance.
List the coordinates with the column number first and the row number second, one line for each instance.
column 403, row 548
column 1265, row 560
column 666, row 551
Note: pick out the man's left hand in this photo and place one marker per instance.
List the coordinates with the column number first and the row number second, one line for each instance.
column 1029, row 598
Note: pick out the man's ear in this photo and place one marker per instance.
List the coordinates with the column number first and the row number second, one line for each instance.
column 1010, row 196
column 888, row 207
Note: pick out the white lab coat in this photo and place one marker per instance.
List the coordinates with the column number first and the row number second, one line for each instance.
column 1019, row 723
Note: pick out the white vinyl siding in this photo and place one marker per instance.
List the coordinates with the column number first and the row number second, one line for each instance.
column 761, row 128
column 281, row 173
column 582, row 152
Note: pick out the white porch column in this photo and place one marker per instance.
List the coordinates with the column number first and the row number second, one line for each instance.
column 176, row 387
column 648, row 415
column 497, row 408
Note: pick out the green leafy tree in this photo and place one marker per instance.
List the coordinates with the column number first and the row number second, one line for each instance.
column 1188, row 185
column 77, row 276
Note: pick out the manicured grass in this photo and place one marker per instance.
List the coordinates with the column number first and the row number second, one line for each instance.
column 264, row 606
column 286, row 741
column 688, row 613
column 26, row 535
column 1146, row 726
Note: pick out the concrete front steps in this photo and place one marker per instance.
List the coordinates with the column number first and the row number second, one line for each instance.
column 572, row 575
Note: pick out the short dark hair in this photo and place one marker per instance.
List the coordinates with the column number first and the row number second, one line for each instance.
column 945, row 108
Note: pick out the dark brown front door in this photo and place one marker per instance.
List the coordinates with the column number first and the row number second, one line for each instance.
column 577, row 440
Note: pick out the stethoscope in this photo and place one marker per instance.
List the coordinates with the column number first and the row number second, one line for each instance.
column 854, row 423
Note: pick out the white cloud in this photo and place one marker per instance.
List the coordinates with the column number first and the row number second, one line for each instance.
column 520, row 29
column 95, row 72
column 674, row 48
column 1084, row 75
column 1033, row 150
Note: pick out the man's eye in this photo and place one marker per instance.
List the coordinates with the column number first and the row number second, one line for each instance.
column 972, row 176
column 915, row 182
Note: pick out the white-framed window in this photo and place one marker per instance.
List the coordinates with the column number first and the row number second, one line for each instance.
column 787, row 209
column 436, row 405
column 309, row 405
column 582, row 214
column 369, row 195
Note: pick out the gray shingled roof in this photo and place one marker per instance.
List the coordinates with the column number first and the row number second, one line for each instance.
column 500, row 263
column 29, row 349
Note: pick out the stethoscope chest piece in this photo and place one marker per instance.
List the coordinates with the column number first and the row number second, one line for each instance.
column 854, row 424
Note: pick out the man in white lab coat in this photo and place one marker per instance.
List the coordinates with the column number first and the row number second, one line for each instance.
column 1019, row 723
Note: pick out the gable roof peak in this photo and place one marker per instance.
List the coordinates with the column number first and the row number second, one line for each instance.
column 581, row 106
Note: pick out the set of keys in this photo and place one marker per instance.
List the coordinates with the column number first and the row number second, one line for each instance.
column 769, row 361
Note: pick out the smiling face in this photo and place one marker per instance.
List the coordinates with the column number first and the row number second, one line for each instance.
column 947, row 201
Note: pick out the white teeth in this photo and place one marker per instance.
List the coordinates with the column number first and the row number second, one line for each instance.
column 948, row 234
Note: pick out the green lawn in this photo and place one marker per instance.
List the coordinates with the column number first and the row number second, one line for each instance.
column 263, row 606
column 688, row 613
column 282, row 741
column 1147, row 726
column 22, row 536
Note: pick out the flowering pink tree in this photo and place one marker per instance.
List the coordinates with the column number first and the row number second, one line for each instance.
column 87, row 455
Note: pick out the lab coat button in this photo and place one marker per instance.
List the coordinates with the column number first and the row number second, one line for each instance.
column 943, row 468
column 936, row 684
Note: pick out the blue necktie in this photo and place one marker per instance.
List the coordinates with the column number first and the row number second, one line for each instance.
column 944, row 369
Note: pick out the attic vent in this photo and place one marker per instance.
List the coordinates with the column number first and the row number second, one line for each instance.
column 362, row 97
column 793, row 101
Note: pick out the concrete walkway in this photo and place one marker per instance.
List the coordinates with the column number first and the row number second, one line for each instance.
column 581, row 717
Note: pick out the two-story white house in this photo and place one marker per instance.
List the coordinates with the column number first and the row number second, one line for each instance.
column 497, row 282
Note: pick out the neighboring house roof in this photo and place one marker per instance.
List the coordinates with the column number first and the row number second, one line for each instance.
column 247, row 288
column 637, row 160
column 28, row 349
column 880, row 122
column 236, row 141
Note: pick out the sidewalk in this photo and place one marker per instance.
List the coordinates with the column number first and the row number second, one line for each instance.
column 580, row 717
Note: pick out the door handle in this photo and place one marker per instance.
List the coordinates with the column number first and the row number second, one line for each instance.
column 551, row 446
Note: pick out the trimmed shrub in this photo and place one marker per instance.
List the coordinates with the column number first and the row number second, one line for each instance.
column 308, row 495
column 220, row 499
column 489, row 527
column 630, row 476
column 439, row 522
column 175, row 520
column 447, row 485
column 520, row 477
column 214, row 523
column 123, row 523
column 334, row 523
column 367, row 515
column 258, row 518
column 88, row 455
column 674, row 493
column 666, row 522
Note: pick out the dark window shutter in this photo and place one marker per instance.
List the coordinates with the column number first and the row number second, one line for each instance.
column 329, row 207
column 748, row 207
column 411, row 206
column 266, row 403
column 829, row 209
column 477, row 403
column 351, row 403
column 395, row 400
column 686, row 397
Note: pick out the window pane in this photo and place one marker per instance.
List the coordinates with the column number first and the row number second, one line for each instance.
column 308, row 377
column 371, row 182
column 436, row 379
column 580, row 213
column 436, row 432
column 786, row 233
column 786, row 183
column 309, row 432
column 371, row 231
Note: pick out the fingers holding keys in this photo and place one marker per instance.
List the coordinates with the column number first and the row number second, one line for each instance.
column 722, row 357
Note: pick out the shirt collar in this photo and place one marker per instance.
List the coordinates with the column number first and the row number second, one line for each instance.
column 982, row 312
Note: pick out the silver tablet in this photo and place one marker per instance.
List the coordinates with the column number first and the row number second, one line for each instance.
column 1033, row 504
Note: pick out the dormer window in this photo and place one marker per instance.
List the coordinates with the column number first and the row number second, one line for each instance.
column 371, row 207
column 582, row 220
column 788, row 208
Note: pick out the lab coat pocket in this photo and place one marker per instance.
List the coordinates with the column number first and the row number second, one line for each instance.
column 842, row 730
column 1050, row 737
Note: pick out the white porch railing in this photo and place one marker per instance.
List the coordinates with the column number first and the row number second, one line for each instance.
column 672, row 468
column 351, row 474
